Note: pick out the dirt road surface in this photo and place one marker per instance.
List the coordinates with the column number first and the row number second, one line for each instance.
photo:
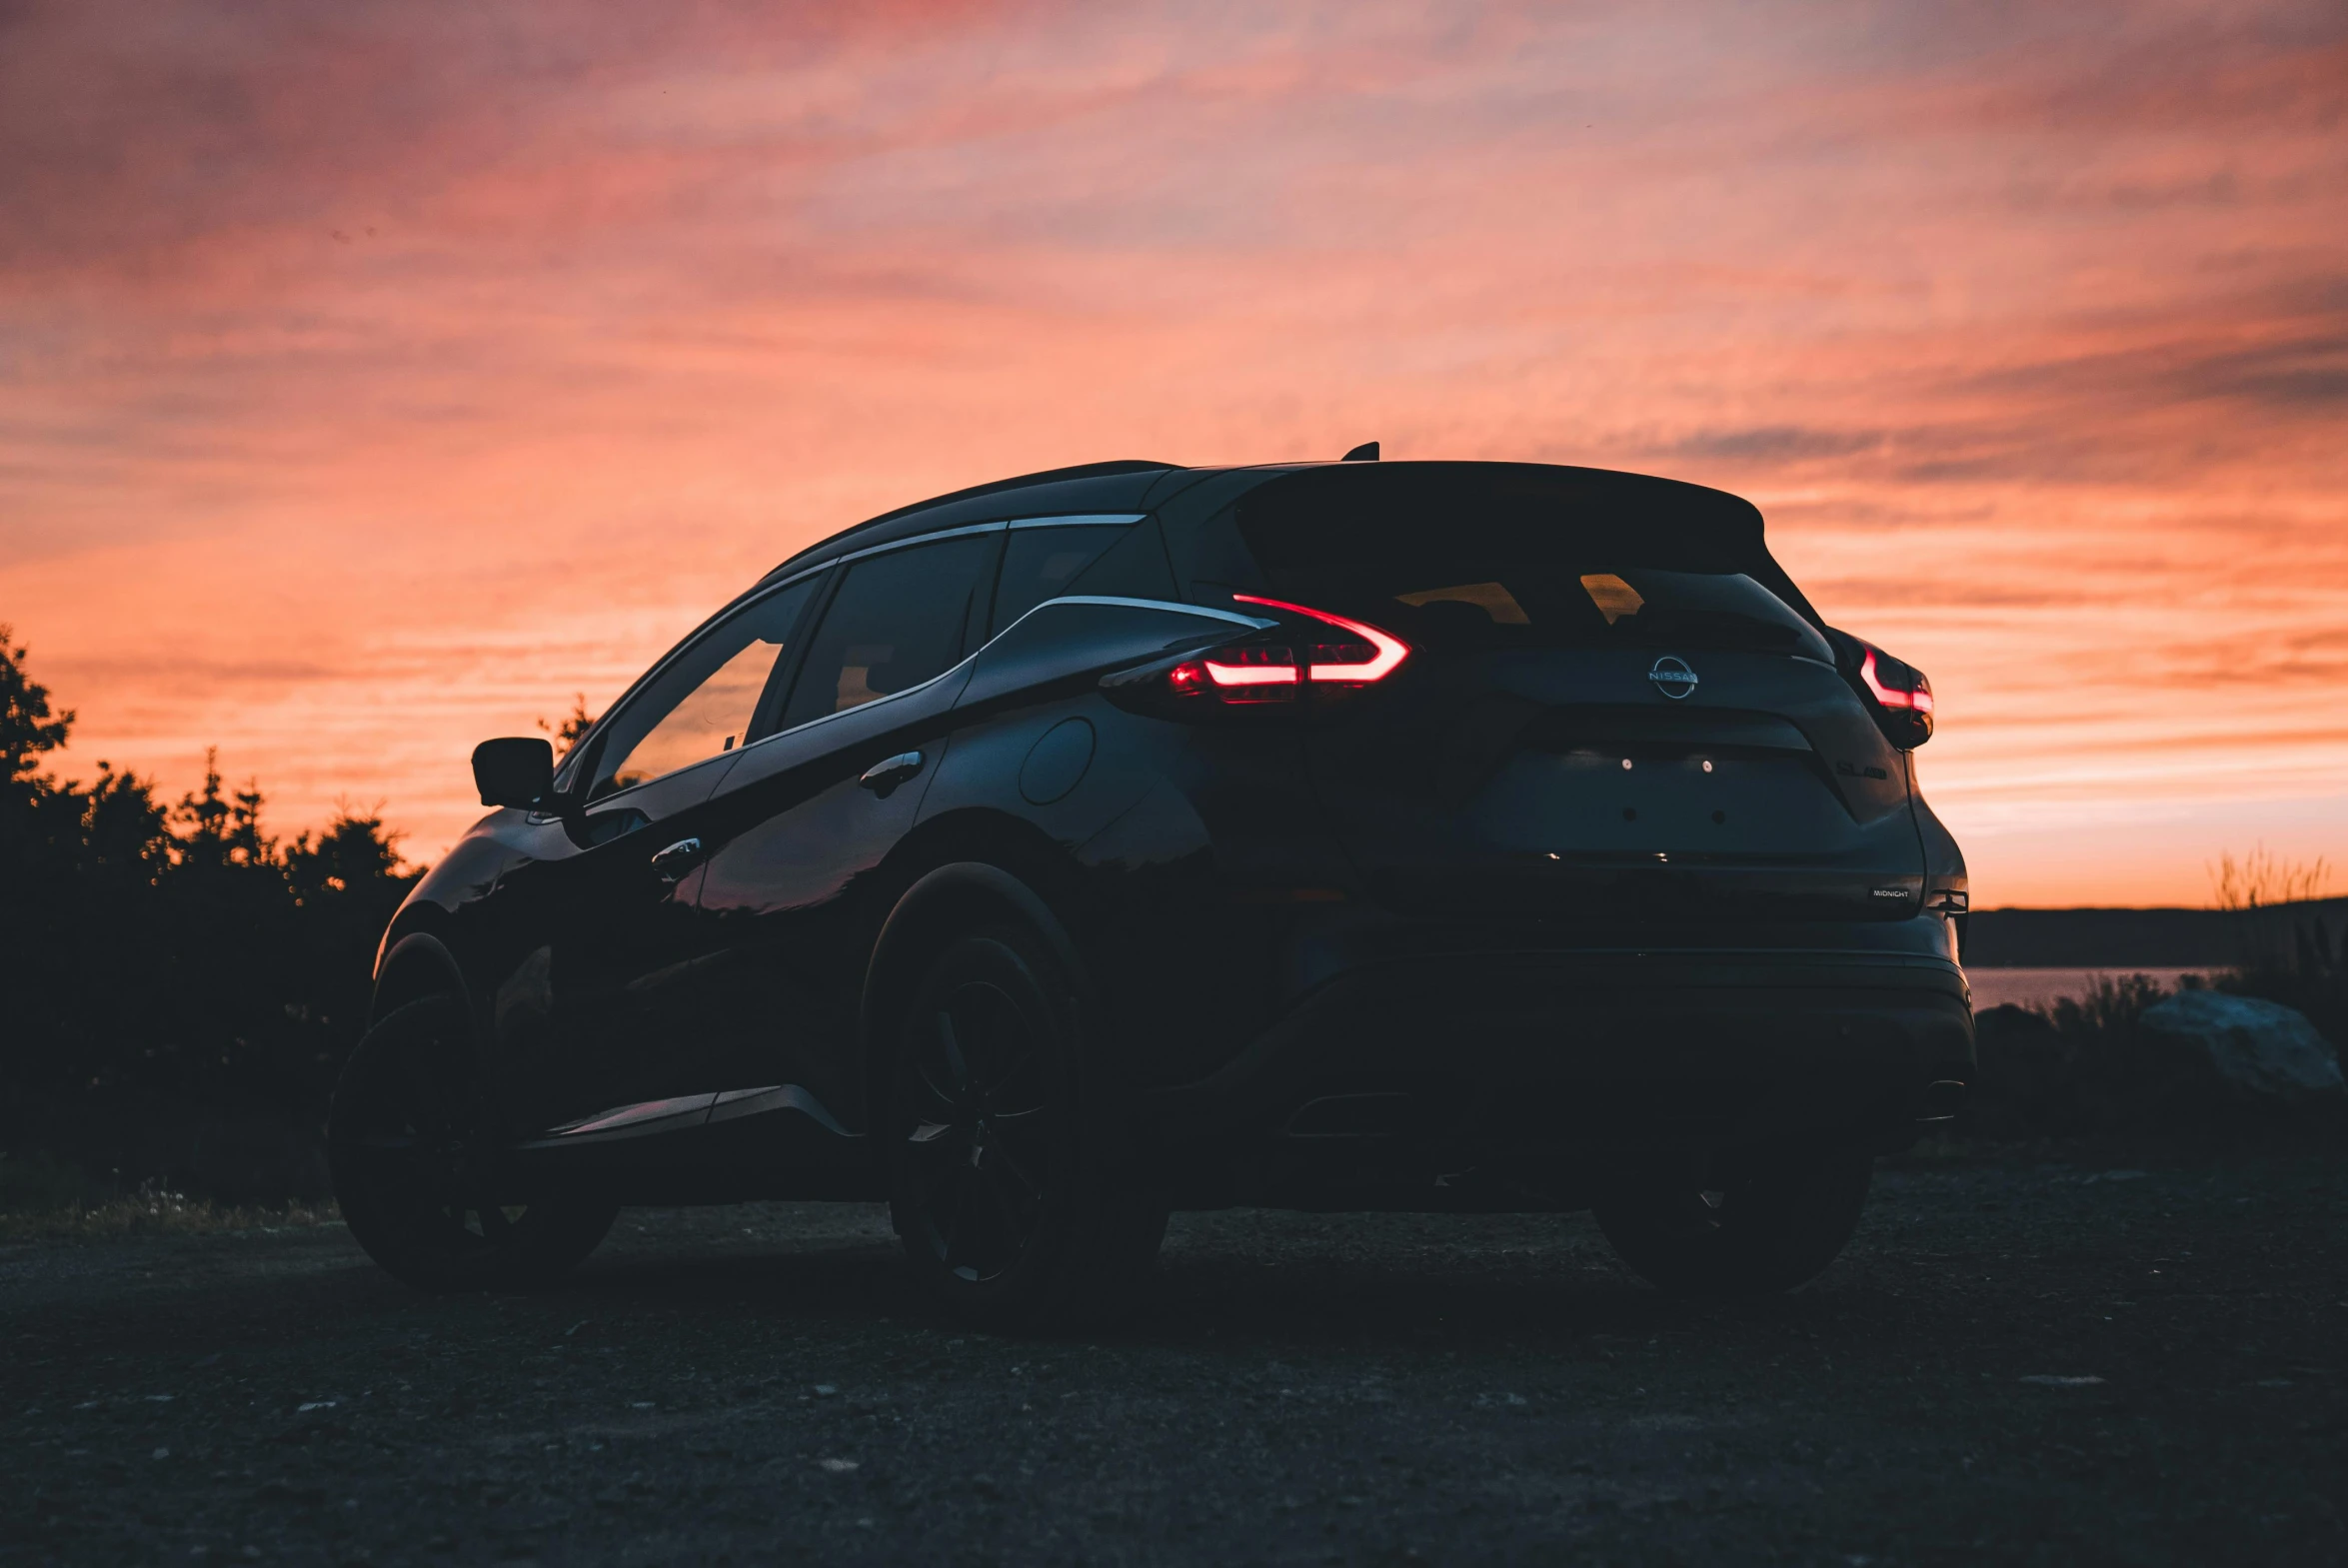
column 2017, row 1360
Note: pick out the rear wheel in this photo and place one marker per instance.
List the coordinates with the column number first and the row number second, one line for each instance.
column 415, row 1165
column 1748, row 1225
column 1019, row 1183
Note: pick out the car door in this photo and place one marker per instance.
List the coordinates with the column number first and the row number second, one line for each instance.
column 808, row 812
column 621, row 1037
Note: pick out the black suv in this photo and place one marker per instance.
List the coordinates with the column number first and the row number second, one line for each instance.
column 1050, row 854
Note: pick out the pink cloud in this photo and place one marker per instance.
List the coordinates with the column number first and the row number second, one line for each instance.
column 371, row 380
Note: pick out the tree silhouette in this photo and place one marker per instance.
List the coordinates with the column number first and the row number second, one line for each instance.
column 566, row 732
column 176, row 955
column 27, row 728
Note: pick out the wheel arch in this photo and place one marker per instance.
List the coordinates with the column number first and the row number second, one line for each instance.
column 949, row 897
column 416, row 966
column 1033, row 876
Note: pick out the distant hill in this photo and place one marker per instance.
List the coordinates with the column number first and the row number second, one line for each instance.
column 2146, row 938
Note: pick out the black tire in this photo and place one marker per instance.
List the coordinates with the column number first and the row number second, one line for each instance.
column 416, row 1168
column 1755, row 1225
column 1019, row 1180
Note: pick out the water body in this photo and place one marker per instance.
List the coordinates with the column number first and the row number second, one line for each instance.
column 2042, row 988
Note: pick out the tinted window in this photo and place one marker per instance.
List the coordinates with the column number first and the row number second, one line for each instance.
column 1041, row 562
column 1465, row 570
column 897, row 621
column 1546, row 605
column 705, row 703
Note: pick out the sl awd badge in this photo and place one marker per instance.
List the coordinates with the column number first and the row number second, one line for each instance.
column 1672, row 678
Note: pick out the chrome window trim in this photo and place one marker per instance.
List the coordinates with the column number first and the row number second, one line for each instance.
column 1252, row 623
column 619, row 797
column 796, row 577
column 1249, row 622
column 804, row 725
column 763, row 592
column 878, row 550
column 918, row 538
column 1055, row 519
column 1083, row 519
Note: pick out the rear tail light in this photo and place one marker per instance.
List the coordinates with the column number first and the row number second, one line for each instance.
column 1362, row 655
column 1900, row 695
column 1326, row 654
column 1256, row 666
column 1892, row 683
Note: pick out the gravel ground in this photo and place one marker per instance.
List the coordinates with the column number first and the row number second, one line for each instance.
column 2016, row 1360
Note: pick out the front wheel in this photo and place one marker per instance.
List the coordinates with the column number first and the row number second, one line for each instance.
column 416, row 1168
column 1020, row 1185
column 1750, row 1225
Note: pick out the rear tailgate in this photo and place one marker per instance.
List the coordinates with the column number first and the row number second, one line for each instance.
column 1613, row 711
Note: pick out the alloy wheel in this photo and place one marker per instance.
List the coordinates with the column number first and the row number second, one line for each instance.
column 413, row 1152
column 978, row 1144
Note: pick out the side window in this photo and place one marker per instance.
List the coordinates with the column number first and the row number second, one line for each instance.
column 1130, row 565
column 1041, row 562
column 897, row 621
column 706, row 702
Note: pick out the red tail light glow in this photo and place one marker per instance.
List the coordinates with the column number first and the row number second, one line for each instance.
column 1274, row 666
column 1915, row 698
column 1377, row 656
column 1251, row 665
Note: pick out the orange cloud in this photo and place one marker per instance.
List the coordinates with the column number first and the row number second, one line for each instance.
column 374, row 379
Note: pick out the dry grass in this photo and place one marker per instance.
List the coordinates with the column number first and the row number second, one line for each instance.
column 164, row 1214
column 44, row 1199
column 2262, row 880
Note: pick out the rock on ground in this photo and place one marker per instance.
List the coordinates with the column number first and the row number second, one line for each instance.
column 2261, row 1051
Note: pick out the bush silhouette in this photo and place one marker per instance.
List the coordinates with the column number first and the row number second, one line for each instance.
column 171, row 953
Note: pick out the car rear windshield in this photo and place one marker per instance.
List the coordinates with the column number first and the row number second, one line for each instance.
column 1528, row 582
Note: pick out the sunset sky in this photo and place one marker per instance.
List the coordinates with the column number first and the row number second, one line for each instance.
column 375, row 377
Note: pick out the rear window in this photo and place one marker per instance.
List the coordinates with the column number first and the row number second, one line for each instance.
column 1451, row 578
column 1546, row 605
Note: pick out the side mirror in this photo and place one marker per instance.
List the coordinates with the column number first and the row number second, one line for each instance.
column 515, row 771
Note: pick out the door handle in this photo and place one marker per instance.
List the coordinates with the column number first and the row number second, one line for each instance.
column 680, row 857
column 887, row 773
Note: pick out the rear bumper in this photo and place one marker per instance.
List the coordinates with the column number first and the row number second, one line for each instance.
column 1469, row 1056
